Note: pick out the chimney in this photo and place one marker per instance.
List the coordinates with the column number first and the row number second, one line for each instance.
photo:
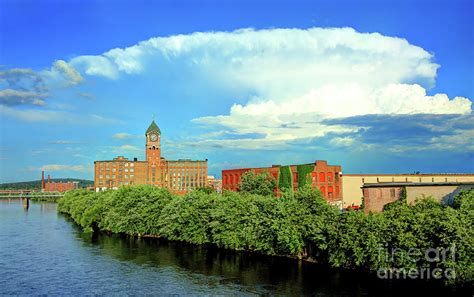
column 49, row 179
column 42, row 179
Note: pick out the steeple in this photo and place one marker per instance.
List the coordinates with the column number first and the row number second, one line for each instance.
column 153, row 128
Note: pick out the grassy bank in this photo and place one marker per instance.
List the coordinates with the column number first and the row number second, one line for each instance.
column 300, row 225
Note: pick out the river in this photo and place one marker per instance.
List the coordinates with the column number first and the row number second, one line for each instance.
column 44, row 253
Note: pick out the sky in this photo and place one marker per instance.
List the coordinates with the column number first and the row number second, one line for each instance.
column 373, row 86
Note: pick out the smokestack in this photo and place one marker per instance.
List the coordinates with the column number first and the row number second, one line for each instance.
column 42, row 179
column 49, row 179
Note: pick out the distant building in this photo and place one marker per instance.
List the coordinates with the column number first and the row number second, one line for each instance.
column 49, row 186
column 377, row 195
column 324, row 177
column 179, row 176
column 214, row 183
column 352, row 183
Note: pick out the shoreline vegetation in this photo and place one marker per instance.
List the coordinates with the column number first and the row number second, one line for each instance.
column 298, row 224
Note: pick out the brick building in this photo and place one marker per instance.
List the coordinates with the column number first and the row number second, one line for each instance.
column 179, row 176
column 377, row 195
column 324, row 177
column 49, row 186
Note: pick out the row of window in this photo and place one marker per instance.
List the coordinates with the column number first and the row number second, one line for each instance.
column 331, row 191
column 115, row 170
column 235, row 178
column 114, row 164
column 113, row 176
column 126, row 183
column 178, row 165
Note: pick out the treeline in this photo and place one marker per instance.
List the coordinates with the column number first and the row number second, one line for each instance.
column 298, row 224
column 36, row 184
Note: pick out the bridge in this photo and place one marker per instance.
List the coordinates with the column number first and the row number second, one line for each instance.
column 28, row 194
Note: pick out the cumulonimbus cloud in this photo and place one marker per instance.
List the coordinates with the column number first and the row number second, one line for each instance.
column 294, row 78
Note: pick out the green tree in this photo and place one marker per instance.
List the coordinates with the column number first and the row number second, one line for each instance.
column 260, row 184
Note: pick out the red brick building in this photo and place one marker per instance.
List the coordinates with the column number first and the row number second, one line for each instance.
column 326, row 178
column 49, row 186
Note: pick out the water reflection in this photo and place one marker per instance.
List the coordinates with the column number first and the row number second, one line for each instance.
column 255, row 273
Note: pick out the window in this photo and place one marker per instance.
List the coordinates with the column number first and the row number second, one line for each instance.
column 107, row 176
column 126, row 176
column 131, row 164
column 329, row 176
column 126, row 164
column 322, row 177
column 126, row 169
column 323, row 190
column 392, row 193
column 131, row 175
column 100, row 176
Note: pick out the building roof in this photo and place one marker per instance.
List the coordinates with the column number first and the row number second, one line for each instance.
column 153, row 128
column 415, row 184
column 278, row 166
column 185, row 160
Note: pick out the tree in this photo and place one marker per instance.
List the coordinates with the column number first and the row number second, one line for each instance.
column 261, row 184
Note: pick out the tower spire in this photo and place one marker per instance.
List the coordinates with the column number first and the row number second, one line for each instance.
column 153, row 128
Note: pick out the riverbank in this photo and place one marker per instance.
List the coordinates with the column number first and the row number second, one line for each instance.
column 300, row 225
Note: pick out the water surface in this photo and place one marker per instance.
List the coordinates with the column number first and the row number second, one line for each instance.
column 42, row 252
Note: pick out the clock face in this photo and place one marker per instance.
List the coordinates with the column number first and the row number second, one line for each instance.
column 153, row 137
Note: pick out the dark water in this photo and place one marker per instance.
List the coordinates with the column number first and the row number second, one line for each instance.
column 42, row 252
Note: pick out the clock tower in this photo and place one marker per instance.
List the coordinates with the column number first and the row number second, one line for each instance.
column 153, row 155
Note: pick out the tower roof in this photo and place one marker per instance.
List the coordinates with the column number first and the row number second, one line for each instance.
column 153, row 128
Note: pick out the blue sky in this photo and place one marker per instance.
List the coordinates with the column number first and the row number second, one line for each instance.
column 375, row 86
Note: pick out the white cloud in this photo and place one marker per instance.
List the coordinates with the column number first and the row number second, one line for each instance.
column 291, row 79
column 69, row 72
column 95, row 65
column 12, row 97
column 40, row 115
column 63, row 142
column 127, row 148
column 342, row 141
column 60, row 167
column 122, row 136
